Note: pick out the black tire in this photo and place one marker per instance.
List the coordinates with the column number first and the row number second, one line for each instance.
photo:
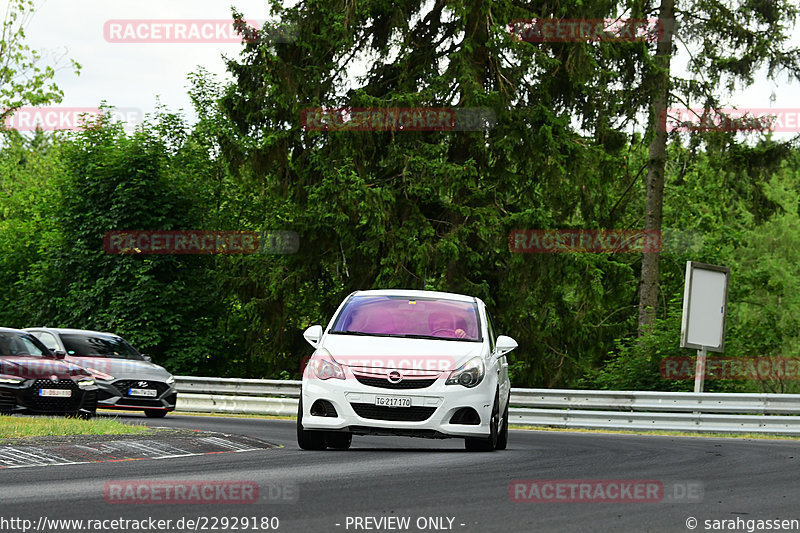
column 338, row 440
column 502, row 435
column 155, row 413
column 308, row 440
column 489, row 443
column 85, row 415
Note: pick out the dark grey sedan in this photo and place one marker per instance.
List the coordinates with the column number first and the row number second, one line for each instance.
column 126, row 379
column 35, row 380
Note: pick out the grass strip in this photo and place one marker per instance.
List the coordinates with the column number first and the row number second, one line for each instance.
column 23, row 426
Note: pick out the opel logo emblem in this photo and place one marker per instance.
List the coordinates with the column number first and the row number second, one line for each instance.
column 394, row 376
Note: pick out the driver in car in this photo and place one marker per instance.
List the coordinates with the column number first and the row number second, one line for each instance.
column 440, row 321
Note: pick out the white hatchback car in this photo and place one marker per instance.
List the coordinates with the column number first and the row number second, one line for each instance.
column 406, row 362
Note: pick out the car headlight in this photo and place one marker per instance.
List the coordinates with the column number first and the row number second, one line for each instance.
column 11, row 381
column 86, row 384
column 99, row 375
column 324, row 366
column 469, row 374
column 171, row 380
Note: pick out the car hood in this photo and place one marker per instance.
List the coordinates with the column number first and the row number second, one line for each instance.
column 408, row 354
column 123, row 368
column 39, row 368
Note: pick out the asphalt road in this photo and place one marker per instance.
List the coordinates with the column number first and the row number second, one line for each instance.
column 435, row 485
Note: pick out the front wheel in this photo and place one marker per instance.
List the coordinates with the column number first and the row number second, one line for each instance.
column 502, row 436
column 308, row 440
column 487, row 444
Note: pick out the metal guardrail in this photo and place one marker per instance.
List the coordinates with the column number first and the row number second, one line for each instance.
column 562, row 408
column 238, row 387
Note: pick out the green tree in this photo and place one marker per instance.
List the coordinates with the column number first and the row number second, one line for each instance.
column 726, row 45
column 28, row 169
column 434, row 209
column 164, row 304
column 23, row 80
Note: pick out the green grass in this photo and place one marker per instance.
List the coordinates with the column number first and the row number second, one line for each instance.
column 16, row 427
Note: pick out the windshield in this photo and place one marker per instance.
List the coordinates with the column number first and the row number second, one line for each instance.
column 12, row 343
column 83, row 345
column 401, row 316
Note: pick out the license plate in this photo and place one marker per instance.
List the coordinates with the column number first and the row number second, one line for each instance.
column 151, row 393
column 59, row 393
column 393, row 401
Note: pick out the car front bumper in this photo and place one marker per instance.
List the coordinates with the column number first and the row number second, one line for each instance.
column 431, row 413
column 25, row 397
column 115, row 395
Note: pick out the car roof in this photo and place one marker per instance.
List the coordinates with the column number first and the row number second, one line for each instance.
column 417, row 294
column 12, row 330
column 78, row 331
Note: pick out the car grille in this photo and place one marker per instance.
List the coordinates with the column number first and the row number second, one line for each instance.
column 7, row 401
column 124, row 384
column 383, row 383
column 139, row 402
column 395, row 414
column 53, row 404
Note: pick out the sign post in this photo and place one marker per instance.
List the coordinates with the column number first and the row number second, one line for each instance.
column 705, row 310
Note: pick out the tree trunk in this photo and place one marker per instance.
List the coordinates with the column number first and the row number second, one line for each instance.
column 648, row 295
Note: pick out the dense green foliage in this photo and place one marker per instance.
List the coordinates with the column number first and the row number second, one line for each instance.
column 428, row 210
column 24, row 79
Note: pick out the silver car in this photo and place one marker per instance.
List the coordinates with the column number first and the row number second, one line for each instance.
column 125, row 378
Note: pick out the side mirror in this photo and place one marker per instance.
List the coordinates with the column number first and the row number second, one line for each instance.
column 60, row 354
column 504, row 345
column 147, row 358
column 313, row 335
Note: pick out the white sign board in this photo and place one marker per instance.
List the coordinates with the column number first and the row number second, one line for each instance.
column 705, row 306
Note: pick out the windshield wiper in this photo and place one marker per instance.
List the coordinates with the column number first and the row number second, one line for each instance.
column 395, row 335
column 403, row 336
